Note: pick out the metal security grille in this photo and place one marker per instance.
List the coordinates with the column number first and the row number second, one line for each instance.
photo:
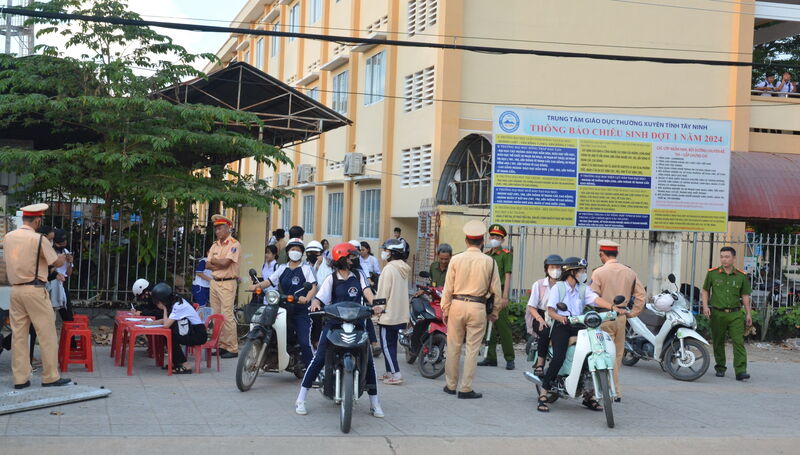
column 416, row 166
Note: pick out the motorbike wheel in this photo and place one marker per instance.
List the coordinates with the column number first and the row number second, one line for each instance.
column 694, row 363
column 629, row 359
column 431, row 364
column 247, row 366
column 346, row 409
column 410, row 357
column 605, row 379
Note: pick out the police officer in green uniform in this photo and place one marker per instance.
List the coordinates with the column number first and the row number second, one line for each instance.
column 502, row 328
column 727, row 286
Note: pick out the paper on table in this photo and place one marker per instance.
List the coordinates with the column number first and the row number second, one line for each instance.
column 135, row 319
column 146, row 326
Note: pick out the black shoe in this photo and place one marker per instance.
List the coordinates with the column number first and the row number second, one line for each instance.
column 470, row 394
column 59, row 383
column 617, row 399
column 28, row 384
column 510, row 365
column 229, row 355
column 742, row 376
column 720, row 374
column 487, row 363
column 449, row 391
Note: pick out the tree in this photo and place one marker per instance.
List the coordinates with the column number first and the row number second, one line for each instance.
column 122, row 145
column 779, row 55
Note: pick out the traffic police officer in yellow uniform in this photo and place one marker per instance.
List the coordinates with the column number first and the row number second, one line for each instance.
column 729, row 290
column 223, row 261
column 502, row 328
column 471, row 278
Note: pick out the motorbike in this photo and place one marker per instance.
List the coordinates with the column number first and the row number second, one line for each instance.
column 668, row 337
column 5, row 327
column 426, row 337
column 265, row 349
column 589, row 362
column 347, row 356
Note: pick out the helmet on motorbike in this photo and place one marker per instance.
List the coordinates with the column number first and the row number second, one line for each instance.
column 314, row 247
column 343, row 250
column 162, row 292
column 295, row 243
column 396, row 247
column 573, row 263
column 140, row 286
column 663, row 302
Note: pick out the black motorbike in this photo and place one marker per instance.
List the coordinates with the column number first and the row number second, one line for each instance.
column 5, row 331
column 347, row 355
column 267, row 345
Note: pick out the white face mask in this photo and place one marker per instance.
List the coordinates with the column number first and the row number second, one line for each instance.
column 385, row 255
column 581, row 277
column 494, row 243
column 554, row 273
column 295, row 255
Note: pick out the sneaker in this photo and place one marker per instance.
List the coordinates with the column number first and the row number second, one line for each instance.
column 386, row 376
column 376, row 411
column 393, row 381
column 300, row 408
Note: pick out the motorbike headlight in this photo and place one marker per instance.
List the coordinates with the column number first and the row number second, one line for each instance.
column 592, row 320
column 272, row 297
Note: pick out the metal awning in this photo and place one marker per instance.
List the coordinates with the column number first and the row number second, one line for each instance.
column 289, row 116
column 764, row 186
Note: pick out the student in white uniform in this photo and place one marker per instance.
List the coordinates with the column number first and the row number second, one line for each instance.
column 179, row 316
column 270, row 263
column 537, row 309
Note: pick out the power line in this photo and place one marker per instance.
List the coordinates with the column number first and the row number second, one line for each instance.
column 695, row 8
column 398, row 43
column 484, row 38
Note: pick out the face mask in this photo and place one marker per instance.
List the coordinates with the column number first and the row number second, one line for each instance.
column 581, row 277
column 312, row 258
column 385, row 255
column 554, row 273
column 295, row 255
column 494, row 243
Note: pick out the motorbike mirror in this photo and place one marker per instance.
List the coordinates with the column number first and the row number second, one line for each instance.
column 671, row 278
column 618, row 300
column 424, row 274
column 253, row 275
column 561, row 306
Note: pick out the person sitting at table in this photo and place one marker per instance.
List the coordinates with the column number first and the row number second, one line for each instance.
column 142, row 292
column 179, row 316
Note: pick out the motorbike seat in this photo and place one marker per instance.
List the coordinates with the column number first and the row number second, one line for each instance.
column 652, row 320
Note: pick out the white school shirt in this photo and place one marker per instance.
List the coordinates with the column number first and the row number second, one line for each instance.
column 267, row 270
column 787, row 88
column 307, row 272
column 370, row 265
column 572, row 299
column 184, row 310
column 197, row 281
column 763, row 84
column 536, row 299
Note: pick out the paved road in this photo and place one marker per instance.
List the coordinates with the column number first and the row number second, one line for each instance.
column 657, row 412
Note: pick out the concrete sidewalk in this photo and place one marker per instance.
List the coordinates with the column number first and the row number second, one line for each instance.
column 150, row 403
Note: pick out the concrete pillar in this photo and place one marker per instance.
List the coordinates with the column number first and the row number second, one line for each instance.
column 665, row 258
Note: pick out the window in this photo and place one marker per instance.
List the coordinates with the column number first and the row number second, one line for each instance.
column 315, row 13
column 275, row 40
column 308, row 214
column 340, row 92
column 246, row 57
column 314, row 93
column 260, row 53
column 370, row 214
column 286, row 213
column 294, row 20
column 419, row 89
column 416, row 167
column 335, row 211
column 421, row 15
column 376, row 72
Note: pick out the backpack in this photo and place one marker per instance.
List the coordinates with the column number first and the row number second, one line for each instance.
column 562, row 292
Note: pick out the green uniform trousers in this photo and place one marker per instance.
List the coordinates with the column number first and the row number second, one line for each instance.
column 728, row 324
column 502, row 329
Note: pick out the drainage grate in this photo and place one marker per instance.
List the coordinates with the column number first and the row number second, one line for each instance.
column 35, row 398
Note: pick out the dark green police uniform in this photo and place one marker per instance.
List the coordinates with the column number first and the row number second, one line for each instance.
column 502, row 327
column 437, row 276
column 727, row 317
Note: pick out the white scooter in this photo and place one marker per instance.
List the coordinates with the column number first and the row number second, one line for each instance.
column 589, row 363
column 665, row 331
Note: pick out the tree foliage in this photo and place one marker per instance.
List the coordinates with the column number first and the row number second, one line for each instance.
column 117, row 141
column 779, row 55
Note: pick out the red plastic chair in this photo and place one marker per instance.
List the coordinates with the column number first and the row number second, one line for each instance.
column 132, row 331
column 217, row 320
column 82, row 354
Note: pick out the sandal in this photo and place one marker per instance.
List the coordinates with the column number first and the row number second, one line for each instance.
column 592, row 404
column 542, row 405
column 538, row 371
column 181, row 370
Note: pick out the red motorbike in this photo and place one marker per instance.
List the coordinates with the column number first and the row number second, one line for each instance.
column 425, row 339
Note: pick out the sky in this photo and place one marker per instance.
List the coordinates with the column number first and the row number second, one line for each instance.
column 215, row 12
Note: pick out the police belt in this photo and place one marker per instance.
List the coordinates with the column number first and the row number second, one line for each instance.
column 36, row 282
column 225, row 279
column 726, row 310
column 469, row 298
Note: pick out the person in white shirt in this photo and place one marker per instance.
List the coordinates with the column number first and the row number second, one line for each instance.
column 766, row 86
column 201, row 285
column 179, row 316
column 571, row 290
column 786, row 86
column 270, row 263
column 537, row 308
column 369, row 263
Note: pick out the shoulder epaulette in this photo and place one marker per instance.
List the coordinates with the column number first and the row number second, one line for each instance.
column 740, row 271
column 712, row 269
column 505, row 250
